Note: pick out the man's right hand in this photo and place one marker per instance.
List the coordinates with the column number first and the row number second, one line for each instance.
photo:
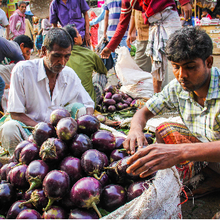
column 105, row 53
column 129, row 40
column 134, row 138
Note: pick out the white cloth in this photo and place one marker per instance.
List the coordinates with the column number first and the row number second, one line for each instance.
column 3, row 22
column 30, row 94
column 46, row 26
column 162, row 25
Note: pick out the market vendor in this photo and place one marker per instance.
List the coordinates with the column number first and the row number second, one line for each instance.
column 40, row 86
column 84, row 61
column 195, row 95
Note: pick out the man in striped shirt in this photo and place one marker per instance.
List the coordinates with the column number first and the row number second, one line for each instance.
column 195, row 95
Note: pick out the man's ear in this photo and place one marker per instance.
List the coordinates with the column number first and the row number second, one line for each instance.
column 22, row 46
column 43, row 50
column 209, row 61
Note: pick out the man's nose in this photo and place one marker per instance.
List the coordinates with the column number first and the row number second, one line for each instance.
column 182, row 73
column 62, row 60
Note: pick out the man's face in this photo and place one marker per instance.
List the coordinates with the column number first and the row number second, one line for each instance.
column 26, row 51
column 191, row 74
column 56, row 60
column 22, row 8
column 0, row 3
column 78, row 38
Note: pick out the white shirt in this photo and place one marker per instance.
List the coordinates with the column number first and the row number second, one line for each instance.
column 3, row 22
column 30, row 93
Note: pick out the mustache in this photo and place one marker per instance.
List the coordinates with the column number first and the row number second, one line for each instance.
column 59, row 66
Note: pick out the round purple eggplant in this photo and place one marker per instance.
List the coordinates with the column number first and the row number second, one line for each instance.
column 119, row 106
column 58, row 114
column 17, row 177
column 105, row 158
column 66, row 128
column 88, row 124
column 136, row 189
column 42, row 131
column 38, row 200
column 56, row 184
column 86, row 192
column 119, row 142
column 101, row 118
column 3, row 172
column 83, row 214
column 52, row 150
column 125, row 105
column 81, row 143
column 117, row 154
column 15, row 209
column 66, row 203
column 35, row 173
column 29, row 153
column 103, row 141
column 111, row 108
column 18, row 149
column 149, row 137
column 104, row 179
column 109, row 102
column 72, row 166
column 55, row 212
column 92, row 163
column 10, row 166
column 108, row 95
column 112, row 197
column 7, row 193
column 110, row 88
column 117, row 97
column 29, row 214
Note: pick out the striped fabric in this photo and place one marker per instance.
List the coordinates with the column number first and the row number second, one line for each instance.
column 202, row 122
column 114, row 8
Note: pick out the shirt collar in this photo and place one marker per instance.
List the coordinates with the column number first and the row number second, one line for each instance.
column 62, row 79
column 213, row 91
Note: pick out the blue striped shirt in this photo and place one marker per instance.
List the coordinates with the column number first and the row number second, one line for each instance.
column 114, row 8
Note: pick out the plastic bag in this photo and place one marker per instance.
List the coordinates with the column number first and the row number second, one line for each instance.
column 135, row 82
column 160, row 201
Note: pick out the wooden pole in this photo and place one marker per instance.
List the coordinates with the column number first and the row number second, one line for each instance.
column 195, row 10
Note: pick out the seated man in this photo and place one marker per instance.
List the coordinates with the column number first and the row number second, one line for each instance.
column 40, row 86
column 16, row 50
column 84, row 61
column 195, row 94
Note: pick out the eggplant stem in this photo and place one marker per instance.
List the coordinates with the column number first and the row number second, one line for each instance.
column 96, row 209
column 49, row 204
column 121, row 150
column 98, row 178
column 6, row 152
column 34, row 183
column 28, row 127
column 24, row 203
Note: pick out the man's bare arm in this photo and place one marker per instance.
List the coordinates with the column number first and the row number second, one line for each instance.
column 87, row 35
column 23, row 118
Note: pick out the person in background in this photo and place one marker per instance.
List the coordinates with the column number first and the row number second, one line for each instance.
column 17, row 20
column 4, row 23
column 194, row 146
column 163, row 19
column 76, row 12
column 46, row 26
column 40, row 86
column 84, row 61
column 39, row 42
column 29, row 29
column 205, row 13
column 137, row 25
column 111, row 20
column 94, row 31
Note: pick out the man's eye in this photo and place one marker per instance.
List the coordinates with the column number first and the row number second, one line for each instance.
column 176, row 67
column 190, row 67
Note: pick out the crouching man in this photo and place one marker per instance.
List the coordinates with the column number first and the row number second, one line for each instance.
column 42, row 85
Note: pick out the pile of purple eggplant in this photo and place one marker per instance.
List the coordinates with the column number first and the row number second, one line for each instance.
column 67, row 169
column 114, row 100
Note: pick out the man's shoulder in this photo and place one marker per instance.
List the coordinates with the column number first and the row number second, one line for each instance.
column 2, row 12
column 26, row 64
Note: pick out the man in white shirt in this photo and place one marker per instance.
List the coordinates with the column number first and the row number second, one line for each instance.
column 3, row 23
column 40, row 86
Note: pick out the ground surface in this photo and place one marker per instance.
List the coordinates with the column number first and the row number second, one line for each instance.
column 205, row 207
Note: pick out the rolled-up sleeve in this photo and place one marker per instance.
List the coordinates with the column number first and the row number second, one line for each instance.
column 84, row 6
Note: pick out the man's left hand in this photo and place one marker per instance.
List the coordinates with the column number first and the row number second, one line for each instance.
column 187, row 11
column 87, row 39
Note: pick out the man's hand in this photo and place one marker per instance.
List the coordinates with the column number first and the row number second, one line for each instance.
column 135, row 138
column 186, row 11
column 87, row 39
column 154, row 157
column 129, row 40
column 105, row 53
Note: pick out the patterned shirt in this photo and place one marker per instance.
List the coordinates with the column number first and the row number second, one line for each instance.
column 203, row 122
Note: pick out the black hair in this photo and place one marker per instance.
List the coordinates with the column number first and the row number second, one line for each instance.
column 188, row 43
column 205, row 9
column 24, row 39
column 21, row 2
column 70, row 28
column 57, row 36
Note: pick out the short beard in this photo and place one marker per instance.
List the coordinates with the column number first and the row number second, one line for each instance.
column 51, row 68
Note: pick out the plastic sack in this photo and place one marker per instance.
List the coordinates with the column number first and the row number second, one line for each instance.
column 160, row 201
column 135, row 82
